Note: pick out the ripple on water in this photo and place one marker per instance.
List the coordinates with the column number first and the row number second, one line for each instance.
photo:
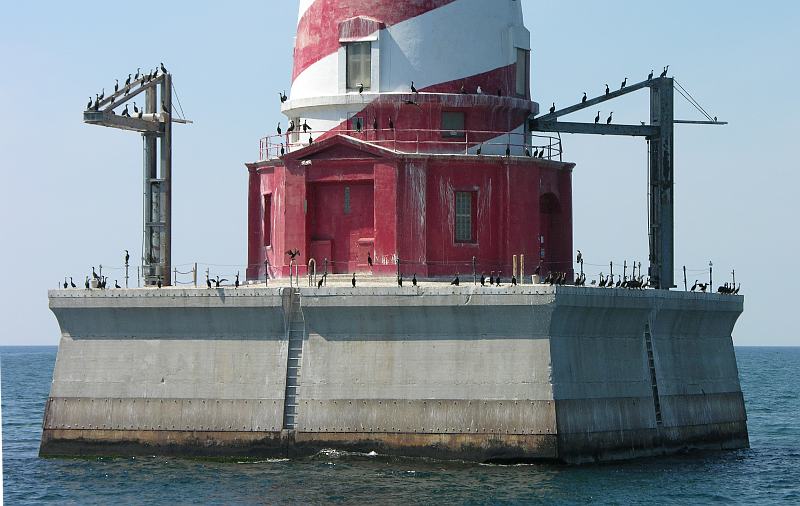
column 766, row 473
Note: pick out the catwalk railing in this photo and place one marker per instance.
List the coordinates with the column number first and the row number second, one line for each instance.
column 420, row 141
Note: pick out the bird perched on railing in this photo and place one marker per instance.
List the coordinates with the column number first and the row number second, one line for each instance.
column 553, row 108
column 163, row 68
column 322, row 280
column 279, row 128
column 624, row 84
column 291, row 128
column 610, row 118
column 608, row 90
column 579, row 258
column 597, row 118
column 306, row 127
column 585, row 98
column 650, row 76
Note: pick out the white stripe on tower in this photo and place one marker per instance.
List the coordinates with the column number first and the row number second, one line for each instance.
column 304, row 5
column 460, row 40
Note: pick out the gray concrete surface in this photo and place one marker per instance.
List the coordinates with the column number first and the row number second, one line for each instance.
column 453, row 372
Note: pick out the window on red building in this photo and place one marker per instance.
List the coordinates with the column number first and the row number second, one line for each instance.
column 453, row 124
column 268, row 220
column 359, row 65
column 465, row 217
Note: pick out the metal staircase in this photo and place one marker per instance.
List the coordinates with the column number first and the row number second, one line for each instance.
column 296, row 335
column 648, row 341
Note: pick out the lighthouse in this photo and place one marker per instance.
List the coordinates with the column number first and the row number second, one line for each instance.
column 405, row 149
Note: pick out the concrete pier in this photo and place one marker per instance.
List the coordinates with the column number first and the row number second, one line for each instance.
column 515, row 373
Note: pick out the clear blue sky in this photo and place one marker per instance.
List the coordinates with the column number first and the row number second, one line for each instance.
column 72, row 192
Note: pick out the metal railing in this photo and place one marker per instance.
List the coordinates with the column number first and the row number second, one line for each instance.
column 420, row 141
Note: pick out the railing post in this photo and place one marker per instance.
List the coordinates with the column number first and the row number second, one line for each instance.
column 474, row 271
column 174, row 275
column 194, row 274
column 514, row 266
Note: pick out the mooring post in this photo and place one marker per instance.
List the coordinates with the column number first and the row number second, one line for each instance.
column 710, row 275
column 514, row 266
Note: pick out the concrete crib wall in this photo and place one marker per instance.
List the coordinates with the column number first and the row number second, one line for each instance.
column 133, row 361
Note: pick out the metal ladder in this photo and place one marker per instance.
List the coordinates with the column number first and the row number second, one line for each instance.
column 296, row 334
column 648, row 341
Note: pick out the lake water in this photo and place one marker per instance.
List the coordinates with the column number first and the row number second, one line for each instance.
column 769, row 472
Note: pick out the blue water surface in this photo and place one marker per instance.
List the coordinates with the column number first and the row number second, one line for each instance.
column 767, row 473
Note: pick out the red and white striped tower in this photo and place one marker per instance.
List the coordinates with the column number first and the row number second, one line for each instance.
column 460, row 54
column 377, row 178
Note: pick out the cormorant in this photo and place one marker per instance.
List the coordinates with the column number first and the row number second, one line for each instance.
column 116, row 284
column 135, row 109
column 94, row 274
column 580, row 256
column 400, row 281
column 650, row 76
column 358, row 125
column 218, row 281
column 321, row 281
column 480, row 149
column 610, row 117
column 102, row 94
column 163, row 68
column 369, row 259
column 508, row 150
column 283, row 150
column 125, row 112
column 159, row 282
column 541, row 153
column 624, row 84
column 291, row 127
column 236, row 283
column 666, row 69
column 89, row 105
column 360, row 88
column 208, row 281
column 353, row 281
column 72, row 283
column 597, row 118
column 463, row 90
column 138, row 71
column 584, row 99
column 695, row 285
column 128, row 80
column 293, row 253
column 536, row 153
column 513, row 281
column 306, row 128
column 414, row 279
column 66, row 285
column 310, row 140
column 483, row 279
column 86, row 283
column 455, row 282
column 164, row 108
column 413, row 88
column 527, row 152
column 279, row 128
column 283, row 96
column 553, row 108
column 608, row 90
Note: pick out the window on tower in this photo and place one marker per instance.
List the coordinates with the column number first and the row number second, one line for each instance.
column 359, row 65
column 453, row 124
column 268, row 220
column 465, row 216
column 523, row 72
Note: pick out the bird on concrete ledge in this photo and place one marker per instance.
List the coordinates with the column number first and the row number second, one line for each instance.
column 116, row 284
column 414, row 279
column 236, row 283
column 354, row 280
column 208, row 281
column 72, row 283
column 455, row 282
column 218, row 281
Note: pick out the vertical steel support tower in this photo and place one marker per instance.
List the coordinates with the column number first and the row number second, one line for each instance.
column 662, row 183
column 157, row 244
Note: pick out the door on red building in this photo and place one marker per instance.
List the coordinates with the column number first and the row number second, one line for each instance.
column 340, row 220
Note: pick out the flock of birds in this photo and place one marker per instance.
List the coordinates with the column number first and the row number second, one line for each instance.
column 130, row 82
column 624, row 84
column 359, row 126
column 633, row 282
